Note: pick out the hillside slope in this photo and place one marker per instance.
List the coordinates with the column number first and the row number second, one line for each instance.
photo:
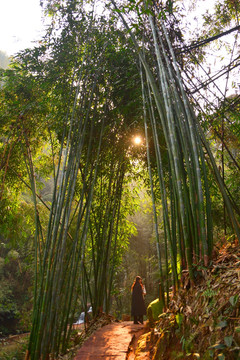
column 202, row 322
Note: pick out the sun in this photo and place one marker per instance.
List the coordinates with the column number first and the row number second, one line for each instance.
column 137, row 140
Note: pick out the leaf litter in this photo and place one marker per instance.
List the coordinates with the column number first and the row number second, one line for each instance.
column 202, row 322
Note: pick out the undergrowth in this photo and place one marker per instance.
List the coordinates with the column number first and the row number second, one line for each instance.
column 203, row 322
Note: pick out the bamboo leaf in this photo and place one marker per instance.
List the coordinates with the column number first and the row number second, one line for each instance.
column 234, row 299
column 222, row 324
column 228, row 340
column 218, row 346
column 179, row 319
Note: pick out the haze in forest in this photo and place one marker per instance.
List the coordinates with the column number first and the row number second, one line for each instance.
column 20, row 24
column 84, row 208
column 4, row 60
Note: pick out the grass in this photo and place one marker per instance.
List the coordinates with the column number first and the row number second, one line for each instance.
column 13, row 348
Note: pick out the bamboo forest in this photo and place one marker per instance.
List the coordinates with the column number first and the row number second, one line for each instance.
column 120, row 157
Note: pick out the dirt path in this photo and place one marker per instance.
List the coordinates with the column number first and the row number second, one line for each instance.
column 113, row 341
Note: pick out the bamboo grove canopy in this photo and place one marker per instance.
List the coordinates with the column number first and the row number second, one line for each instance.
column 101, row 77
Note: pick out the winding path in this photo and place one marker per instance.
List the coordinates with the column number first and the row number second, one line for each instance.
column 111, row 342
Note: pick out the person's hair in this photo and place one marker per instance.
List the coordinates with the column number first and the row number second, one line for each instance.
column 137, row 280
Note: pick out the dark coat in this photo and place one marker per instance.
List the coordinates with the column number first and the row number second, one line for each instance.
column 138, row 305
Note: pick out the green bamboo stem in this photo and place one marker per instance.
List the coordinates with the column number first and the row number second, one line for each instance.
column 73, row 265
column 220, row 183
column 58, row 248
column 167, row 227
column 195, row 153
column 152, row 191
column 115, row 240
column 174, row 149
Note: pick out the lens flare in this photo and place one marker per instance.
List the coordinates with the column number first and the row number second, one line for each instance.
column 137, row 140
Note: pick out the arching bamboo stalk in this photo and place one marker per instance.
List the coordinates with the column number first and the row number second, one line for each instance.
column 182, row 136
column 162, row 287
column 169, row 238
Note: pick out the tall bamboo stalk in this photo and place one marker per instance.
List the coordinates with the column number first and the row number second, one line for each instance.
column 191, row 200
column 162, row 287
column 169, row 238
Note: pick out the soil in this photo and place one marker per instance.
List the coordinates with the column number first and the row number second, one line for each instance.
column 116, row 341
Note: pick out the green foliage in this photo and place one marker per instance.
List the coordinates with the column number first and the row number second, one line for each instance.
column 8, row 308
column 15, row 298
column 154, row 309
column 234, row 300
column 81, row 89
column 17, row 254
column 225, row 12
column 14, row 349
column 179, row 319
column 224, row 137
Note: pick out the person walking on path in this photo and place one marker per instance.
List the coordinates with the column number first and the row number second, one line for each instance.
column 138, row 304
